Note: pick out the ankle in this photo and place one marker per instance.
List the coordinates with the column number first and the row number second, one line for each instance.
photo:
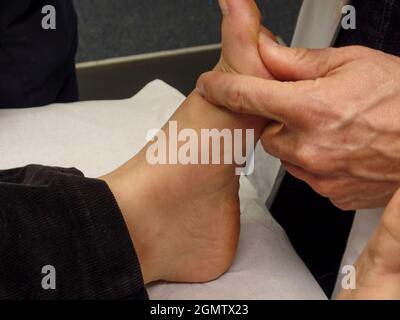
column 143, row 223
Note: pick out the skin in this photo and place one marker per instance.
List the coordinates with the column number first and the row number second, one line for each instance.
column 333, row 120
column 184, row 221
column 336, row 122
column 378, row 267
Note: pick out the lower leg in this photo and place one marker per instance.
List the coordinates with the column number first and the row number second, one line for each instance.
column 184, row 219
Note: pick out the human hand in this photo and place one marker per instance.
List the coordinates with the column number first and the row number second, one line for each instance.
column 337, row 117
column 378, row 267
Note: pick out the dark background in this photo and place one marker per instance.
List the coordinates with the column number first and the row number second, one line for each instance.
column 113, row 28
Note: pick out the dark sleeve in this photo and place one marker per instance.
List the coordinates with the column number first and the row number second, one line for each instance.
column 37, row 66
column 56, row 217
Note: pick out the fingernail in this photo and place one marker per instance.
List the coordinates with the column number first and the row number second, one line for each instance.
column 223, row 4
column 265, row 39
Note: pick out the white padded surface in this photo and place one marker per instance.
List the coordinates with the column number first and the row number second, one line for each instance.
column 98, row 136
column 266, row 266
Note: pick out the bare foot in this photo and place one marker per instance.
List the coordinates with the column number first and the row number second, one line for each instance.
column 378, row 268
column 185, row 220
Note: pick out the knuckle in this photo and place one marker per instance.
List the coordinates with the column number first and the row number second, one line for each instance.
column 204, row 83
column 324, row 188
column 302, row 157
column 300, row 53
column 328, row 62
column 356, row 50
column 344, row 206
column 271, row 146
column 204, row 78
column 310, row 160
column 237, row 96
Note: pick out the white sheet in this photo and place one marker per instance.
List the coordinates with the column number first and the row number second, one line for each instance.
column 98, row 136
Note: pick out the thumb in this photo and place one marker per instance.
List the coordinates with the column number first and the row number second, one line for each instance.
column 295, row 64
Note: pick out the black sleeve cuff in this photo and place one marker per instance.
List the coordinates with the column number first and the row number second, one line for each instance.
column 114, row 269
column 54, row 216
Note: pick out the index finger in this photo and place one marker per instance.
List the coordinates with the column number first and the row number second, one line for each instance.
column 280, row 101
